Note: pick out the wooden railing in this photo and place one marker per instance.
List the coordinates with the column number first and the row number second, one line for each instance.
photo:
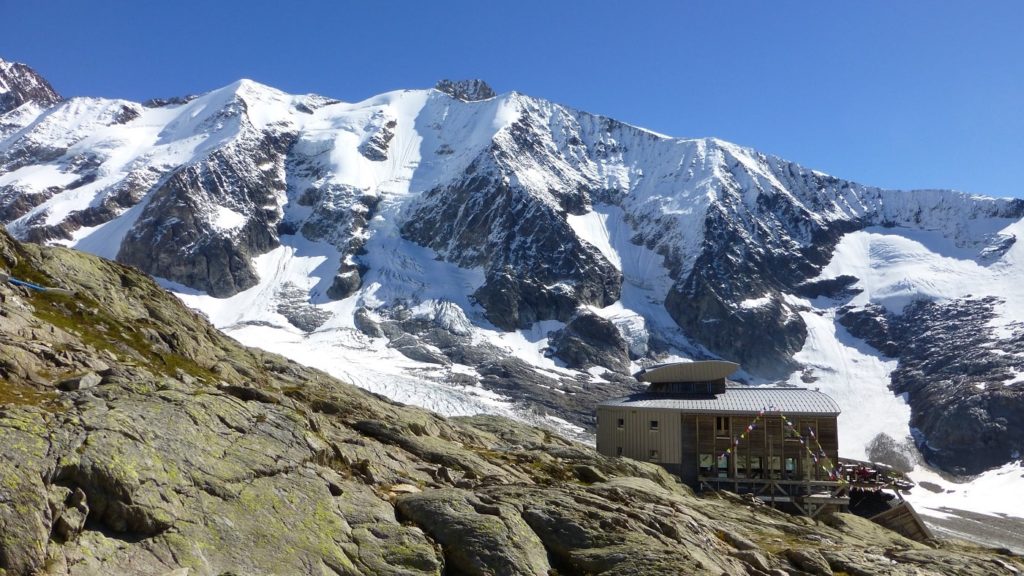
column 807, row 496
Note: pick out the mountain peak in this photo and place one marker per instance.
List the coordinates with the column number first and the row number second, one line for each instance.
column 466, row 90
column 20, row 84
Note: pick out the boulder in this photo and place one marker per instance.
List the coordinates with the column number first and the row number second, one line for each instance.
column 80, row 382
column 809, row 561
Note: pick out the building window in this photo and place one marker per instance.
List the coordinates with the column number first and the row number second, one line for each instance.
column 723, row 466
column 654, row 424
column 755, row 467
column 653, row 455
column 620, row 423
column 722, row 426
column 707, row 462
column 790, row 467
column 618, row 450
column 741, row 466
column 776, row 469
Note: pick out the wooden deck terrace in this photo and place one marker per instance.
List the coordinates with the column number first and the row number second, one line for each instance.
column 809, row 497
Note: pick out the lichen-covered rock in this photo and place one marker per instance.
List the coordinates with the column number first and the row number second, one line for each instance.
column 25, row 519
column 810, row 561
column 479, row 537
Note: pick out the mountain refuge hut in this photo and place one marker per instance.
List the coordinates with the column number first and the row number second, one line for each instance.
column 781, row 444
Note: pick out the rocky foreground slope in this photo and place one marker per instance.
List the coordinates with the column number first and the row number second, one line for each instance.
column 136, row 438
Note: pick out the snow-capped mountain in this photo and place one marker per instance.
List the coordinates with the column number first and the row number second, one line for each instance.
column 469, row 251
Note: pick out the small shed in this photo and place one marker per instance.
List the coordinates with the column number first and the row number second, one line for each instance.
column 715, row 433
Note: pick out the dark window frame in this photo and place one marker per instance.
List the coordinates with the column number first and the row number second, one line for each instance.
column 722, row 426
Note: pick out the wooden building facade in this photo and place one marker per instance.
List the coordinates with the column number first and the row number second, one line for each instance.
column 774, row 442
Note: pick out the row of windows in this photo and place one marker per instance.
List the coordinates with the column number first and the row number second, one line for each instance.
column 745, row 468
column 621, row 423
column 752, row 467
column 652, row 455
column 722, row 427
column 721, row 424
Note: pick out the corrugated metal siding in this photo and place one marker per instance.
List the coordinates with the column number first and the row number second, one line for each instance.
column 636, row 438
column 688, row 371
column 746, row 400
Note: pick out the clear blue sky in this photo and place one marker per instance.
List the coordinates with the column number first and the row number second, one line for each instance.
column 902, row 94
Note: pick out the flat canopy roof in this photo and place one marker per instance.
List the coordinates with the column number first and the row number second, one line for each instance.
column 702, row 371
column 736, row 400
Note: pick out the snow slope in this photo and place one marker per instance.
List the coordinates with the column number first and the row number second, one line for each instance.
column 896, row 267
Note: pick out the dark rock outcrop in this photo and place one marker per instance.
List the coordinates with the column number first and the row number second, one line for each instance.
column 589, row 340
column 838, row 287
column 465, row 90
column 959, row 381
column 874, row 325
column 959, row 378
column 178, row 235
column 536, row 266
column 375, row 147
column 20, row 84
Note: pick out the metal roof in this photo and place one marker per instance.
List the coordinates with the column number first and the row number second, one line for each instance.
column 702, row 371
column 735, row 400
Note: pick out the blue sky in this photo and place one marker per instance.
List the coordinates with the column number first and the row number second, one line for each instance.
column 902, row 94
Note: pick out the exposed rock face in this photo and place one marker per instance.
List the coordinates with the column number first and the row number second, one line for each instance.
column 887, row 450
column 376, row 146
column 536, row 267
column 589, row 340
column 292, row 303
column 958, row 375
column 20, row 84
column 204, row 224
column 441, row 334
column 835, row 288
column 194, row 454
column 874, row 325
column 466, row 90
column 957, row 383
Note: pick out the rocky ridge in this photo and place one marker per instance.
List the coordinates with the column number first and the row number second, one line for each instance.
column 466, row 90
column 20, row 84
column 137, row 438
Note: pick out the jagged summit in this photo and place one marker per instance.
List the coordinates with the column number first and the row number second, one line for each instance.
column 20, row 84
column 466, row 90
